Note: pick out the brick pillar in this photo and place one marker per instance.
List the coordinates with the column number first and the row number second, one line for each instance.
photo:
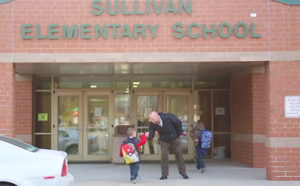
column 282, row 134
column 248, row 112
column 7, row 106
column 23, row 95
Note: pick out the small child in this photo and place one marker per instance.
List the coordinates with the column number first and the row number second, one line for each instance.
column 134, row 167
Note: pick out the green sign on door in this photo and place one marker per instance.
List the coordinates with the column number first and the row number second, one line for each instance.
column 42, row 117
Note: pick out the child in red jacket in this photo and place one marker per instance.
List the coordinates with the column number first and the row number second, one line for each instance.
column 134, row 167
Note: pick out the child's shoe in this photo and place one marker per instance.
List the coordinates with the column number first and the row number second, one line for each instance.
column 133, row 181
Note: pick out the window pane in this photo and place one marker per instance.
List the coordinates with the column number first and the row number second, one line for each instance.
column 146, row 104
column 93, row 82
column 43, row 108
column 178, row 105
column 121, row 84
column 68, row 119
column 42, row 83
column 222, row 146
column 212, row 82
column 122, row 109
column 43, row 141
column 221, row 107
column 98, row 123
column 168, row 82
column 122, row 68
column 202, row 108
column 178, row 68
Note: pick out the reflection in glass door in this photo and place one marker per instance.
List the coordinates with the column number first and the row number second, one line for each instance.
column 96, row 126
column 179, row 104
column 213, row 108
column 82, row 123
column 145, row 103
column 68, row 136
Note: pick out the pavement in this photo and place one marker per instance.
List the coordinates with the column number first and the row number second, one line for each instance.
column 225, row 173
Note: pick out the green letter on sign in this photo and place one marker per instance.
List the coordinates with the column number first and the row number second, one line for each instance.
column 109, row 8
column 136, row 30
column 103, row 33
column 114, row 29
column 126, row 31
column 212, row 31
column 83, row 31
column 51, row 31
column 153, row 30
column 236, row 31
column 182, row 6
column 189, row 30
column 124, row 9
column 178, row 36
column 157, row 9
column 171, row 7
column 24, row 31
column 98, row 7
column 253, row 31
column 38, row 33
column 136, row 8
column 72, row 33
column 229, row 30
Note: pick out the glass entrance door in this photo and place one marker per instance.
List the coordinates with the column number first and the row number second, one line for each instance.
column 180, row 104
column 144, row 104
column 68, row 123
column 97, row 122
column 81, row 125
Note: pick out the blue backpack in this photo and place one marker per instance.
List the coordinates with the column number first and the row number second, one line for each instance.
column 205, row 138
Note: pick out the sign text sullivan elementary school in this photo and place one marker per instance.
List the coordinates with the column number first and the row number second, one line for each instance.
column 138, row 30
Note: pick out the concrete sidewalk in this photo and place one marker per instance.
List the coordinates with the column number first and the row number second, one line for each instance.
column 218, row 172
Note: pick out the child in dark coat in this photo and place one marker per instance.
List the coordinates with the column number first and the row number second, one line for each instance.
column 134, row 167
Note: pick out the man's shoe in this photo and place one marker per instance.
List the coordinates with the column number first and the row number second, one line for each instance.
column 203, row 170
column 185, row 176
column 163, row 178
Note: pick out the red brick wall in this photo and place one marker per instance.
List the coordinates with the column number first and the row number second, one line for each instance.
column 248, row 107
column 283, row 26
column 7, row 100
column 282, row 79
column 23, row 96
column 6, row 28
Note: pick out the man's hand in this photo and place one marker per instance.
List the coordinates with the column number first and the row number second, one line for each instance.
column 147, row 134
column 180, row 135
column 196, row 140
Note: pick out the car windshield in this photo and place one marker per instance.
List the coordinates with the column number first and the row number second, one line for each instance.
column 18, row 143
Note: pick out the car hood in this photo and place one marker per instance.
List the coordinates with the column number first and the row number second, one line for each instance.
column 52, row 153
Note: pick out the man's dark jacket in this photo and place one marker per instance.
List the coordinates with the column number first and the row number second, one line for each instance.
column 172, row 128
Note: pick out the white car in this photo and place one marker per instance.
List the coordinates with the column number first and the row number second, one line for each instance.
column 22, row 164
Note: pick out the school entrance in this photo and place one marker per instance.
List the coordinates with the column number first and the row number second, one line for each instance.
column 78, row 106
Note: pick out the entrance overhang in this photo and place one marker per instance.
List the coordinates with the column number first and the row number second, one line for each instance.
column 203, row 68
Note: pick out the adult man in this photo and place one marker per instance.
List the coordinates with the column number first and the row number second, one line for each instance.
column 170, row 130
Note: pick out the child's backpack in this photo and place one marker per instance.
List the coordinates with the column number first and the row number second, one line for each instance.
column 130, row 153
column 205, row 138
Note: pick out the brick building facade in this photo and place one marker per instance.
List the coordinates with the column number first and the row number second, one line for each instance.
column 264, row 33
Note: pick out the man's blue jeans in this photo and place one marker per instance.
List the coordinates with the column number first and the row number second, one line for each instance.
column 134, row 169
column 200, row 159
